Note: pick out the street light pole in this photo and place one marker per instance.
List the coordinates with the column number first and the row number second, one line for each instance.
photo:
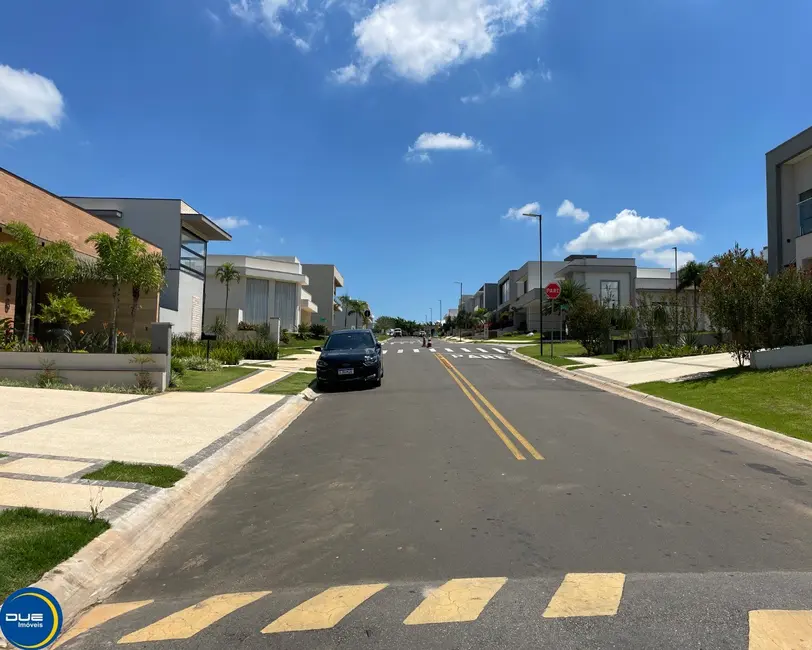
column 459, row 325
column 431, row 320
column 676, row 298
column 541, row 317
column 442, row 320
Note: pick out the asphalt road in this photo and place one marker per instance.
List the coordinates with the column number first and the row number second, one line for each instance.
column 680, row 532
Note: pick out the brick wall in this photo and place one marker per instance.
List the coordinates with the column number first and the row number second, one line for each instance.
column 50, row 217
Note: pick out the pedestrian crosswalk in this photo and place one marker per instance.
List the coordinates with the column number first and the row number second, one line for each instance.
column 458, row 353
column 578, row 596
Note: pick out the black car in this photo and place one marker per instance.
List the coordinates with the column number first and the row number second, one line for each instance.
column 350, row 356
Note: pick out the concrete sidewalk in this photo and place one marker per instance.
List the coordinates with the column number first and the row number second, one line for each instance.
column 51, row 438
column 626, row 373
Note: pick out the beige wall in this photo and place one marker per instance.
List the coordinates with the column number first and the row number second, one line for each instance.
column 99, row 298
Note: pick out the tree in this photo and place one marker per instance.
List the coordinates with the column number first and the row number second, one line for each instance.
column 346, row 306
column 117, row 258
column 148, row 273
column 359, row 308
column 691, row 275
column 25, row 258
column 571, row 293
column 734, row 290
column 227, row 273
column 589, row 323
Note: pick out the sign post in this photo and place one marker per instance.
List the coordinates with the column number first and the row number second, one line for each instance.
column 553, row 291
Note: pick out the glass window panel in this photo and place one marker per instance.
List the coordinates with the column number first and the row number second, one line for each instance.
column 193, row 243
column 805, row 212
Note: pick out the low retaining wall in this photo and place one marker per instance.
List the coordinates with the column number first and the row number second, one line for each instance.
column 787, row 357
column 87, row 370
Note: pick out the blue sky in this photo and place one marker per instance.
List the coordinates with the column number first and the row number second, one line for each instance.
column 393, row 139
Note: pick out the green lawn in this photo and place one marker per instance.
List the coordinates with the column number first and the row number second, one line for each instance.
column 33, row 542
column 291, row 385
column 534, row 352
column 158, row 475
column 198, row 381
column 299, row 344
column 780, row 400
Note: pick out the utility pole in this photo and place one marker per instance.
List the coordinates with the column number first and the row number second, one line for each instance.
column 459, row 325
column 442, row 320
column 541, row 289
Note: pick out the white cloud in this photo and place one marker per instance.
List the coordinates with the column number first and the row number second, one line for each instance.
column 440, row 142
column 628, row 230
column 350, row 74
column 568, row 209
column 418, row 39
column 29, row 98
column 517, row 214
column 268, row 14
column 517, row 80
column 20, row 133
column 512, row 84
column 213, row 17
column 232, row 223
column 665, row 257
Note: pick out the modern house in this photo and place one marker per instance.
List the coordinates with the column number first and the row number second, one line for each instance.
column 182, row 233
column 486, row 297
column 52, row 218
column 324, row 280
column 269, row 287
column 466, row 303
column 789, row 203
column 659, row 286
column 451, row 314
column 612, row 279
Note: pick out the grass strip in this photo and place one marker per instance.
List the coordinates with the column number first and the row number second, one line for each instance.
column 161, row 476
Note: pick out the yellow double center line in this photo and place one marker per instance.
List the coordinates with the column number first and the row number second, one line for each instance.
column 470, row 391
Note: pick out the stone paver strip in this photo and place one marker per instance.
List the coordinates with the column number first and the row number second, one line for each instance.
column 44, row 467
column 64, row 497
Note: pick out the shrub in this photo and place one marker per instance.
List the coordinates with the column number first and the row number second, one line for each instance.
column 178, row 365
column 318, row 330
column 259, row 349
column 284, row 336
column 242, row 326
column 64, row 311
column 127, row 345
column 303, row 331
column 200, row 363
column 228, row 355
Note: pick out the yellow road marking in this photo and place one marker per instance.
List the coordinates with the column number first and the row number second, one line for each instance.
column 502, row 435
column 325, row 610
column 587, row 594
column 98, row 616
column 188, row 622
column 530, row 448
column 456, row 601
column 780, row 630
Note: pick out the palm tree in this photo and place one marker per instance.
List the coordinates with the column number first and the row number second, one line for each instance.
column 346, row 306
column 572, row 292
column 24, row 258
column 227, row 273
column 691, row 275
column 148, row 273
column 358, row 307
column 117, row 257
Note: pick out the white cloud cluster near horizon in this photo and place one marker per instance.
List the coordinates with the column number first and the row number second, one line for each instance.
column 665, row 257
column 518, row 214
column 653, row 236
column 514, row 83
column 268, row 14
column 426, row 142
column 28, row 98
column 232, row 223
column 568, row 209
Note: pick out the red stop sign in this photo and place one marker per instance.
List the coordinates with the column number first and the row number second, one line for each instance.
column 552, row 290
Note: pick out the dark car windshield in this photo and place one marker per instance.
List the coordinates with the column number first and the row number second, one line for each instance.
column 350, row 341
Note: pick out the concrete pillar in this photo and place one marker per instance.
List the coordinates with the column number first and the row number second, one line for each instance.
column 275, row 332
column 161, row 335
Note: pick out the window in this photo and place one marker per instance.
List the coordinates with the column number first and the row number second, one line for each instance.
column 192, row 253
column 805, row 212
column 504, row 292
column 610, row 292
column 357, row 340
column 256, row 301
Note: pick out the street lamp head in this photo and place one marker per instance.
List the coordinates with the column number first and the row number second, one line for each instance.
column 531, row 214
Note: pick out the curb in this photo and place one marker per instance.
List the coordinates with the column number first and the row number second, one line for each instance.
column 102, row 566
column 765, row 437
